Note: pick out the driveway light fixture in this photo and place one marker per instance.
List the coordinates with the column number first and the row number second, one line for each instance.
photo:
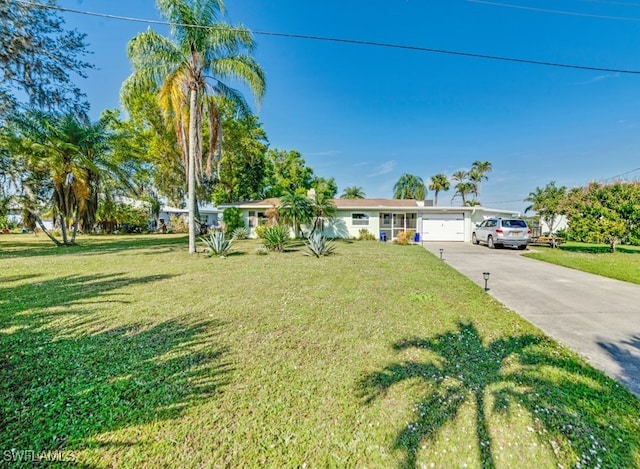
column 441, row 251
column 486, row 280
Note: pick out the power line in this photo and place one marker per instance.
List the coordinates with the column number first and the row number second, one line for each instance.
column 620, row 175
column 346, row 41
column 611, row 2
column 557, row 12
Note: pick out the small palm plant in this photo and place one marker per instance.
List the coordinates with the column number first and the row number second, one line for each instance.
column 318, row 245
column 276, row 238
column 218, row 246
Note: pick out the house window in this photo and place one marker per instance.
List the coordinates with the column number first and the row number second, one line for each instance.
column 359, row 219
column 252, row 219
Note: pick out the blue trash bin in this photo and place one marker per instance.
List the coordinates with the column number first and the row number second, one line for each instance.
column 416, row 238
column 383, row 236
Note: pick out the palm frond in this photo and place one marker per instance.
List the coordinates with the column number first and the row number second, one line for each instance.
column 241, row 67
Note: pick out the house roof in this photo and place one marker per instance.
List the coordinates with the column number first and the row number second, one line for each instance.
column 375, row 203
column 371, row 204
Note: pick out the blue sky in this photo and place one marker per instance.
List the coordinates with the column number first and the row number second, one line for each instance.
column 366, row 115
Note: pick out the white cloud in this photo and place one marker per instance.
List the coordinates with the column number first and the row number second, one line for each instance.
column 598, row 78
column 325, row 153
column 384, row 168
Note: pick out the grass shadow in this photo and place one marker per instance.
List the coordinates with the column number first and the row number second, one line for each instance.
column 62, row 291
column 17, row 248
column 65, row 383
column 568, row 397
column 60, row 393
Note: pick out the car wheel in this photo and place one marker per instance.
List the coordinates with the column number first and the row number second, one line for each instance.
column 490, row 242
column 522, row 248
column 474, row 239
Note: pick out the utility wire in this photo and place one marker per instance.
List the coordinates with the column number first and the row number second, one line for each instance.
column 346, row 41
column 611, row 2
column 620, row 175
column 557, row 12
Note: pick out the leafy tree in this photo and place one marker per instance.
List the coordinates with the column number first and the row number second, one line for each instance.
column 325, row 187
column 149, row 133
column 477, row 174
column 600, row 212
column 38, row 57
column 410, row 186
column 289, row 173
column 439, row 183
column 295, row 209
column 546, row 202
column 242, row 173
column 232, row 218
column 353, row 192
column 191, row 68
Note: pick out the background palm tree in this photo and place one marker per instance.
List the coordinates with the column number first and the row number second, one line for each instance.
column 190, row 69
column 478, row 172
column 439, row 182
column 295, row 209
column 410, row 186
column 353, row 192
column 66, row 163
column 463, row 189
column 323, row 209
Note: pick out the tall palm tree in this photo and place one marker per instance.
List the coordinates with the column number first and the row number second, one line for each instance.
column 295, row 209
column 463, row 189
column 439, row 182
column 190, row 69
column 353, row 192
column 410, row 186
column 478, row 172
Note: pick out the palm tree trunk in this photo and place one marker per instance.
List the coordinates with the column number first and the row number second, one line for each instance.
column 63, row 227
column 192, row 170
column 44, row 228
column 435, row 202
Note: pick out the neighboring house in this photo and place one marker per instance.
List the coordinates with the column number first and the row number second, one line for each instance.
column 385, row 218
column 209, row 215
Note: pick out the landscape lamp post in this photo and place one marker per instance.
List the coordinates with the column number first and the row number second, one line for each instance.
column 486, row 280
column 441, row 251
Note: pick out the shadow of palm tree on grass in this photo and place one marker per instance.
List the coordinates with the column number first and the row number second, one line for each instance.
column 60, row 393
column 62, row 386
column 560, row 392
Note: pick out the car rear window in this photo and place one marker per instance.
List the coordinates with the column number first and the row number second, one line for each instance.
column 514, row 223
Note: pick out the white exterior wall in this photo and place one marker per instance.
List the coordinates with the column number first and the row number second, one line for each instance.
column 342, row 225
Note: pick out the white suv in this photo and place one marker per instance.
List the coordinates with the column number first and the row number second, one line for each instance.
column 497, row 232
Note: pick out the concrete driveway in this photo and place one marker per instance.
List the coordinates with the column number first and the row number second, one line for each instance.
column 597, row 317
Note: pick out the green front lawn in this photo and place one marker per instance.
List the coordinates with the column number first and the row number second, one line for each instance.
column 128, row 352
column 621, row 265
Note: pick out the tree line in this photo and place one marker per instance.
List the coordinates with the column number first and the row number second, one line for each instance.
column 596, row 213
column 188, row 133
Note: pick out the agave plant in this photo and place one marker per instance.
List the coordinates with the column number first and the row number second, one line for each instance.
column 240, row 233
column 218, row 246
column 318, row 245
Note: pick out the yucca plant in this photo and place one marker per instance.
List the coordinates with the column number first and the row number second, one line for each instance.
column 318, row 245
column 276, row 238
column 218, row 246
column 240, row 233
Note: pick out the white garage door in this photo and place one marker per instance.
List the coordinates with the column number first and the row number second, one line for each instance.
column 443, row 227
